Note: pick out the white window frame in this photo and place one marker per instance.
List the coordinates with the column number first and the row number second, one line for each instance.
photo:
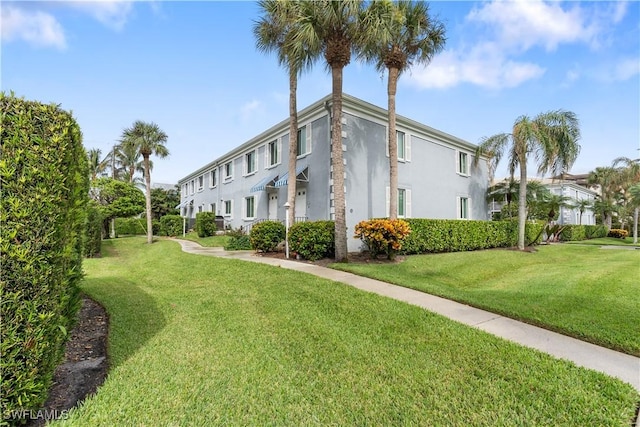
column 407, row 202
column 212, row 207
column 229, row 213
column 201, row 183
column 407, row 145
column 459, row 202
column 307, row 141
column 228, row 166
column 459, row 163
column 245, row 212
column 213, row 178
column 192, row 185
column 250, row 163
column 185, row 189
column 268, row 163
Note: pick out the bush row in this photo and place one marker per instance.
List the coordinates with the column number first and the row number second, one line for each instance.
column 581, row 232
column 45, row 186
column 449, row 235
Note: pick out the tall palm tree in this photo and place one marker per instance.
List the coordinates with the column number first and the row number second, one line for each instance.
column 149, row 140
column 582, row 205
column 629, row 178
column 97, row 165
column 275, row 32
column 398, row 35
column 607, row 178
column 128, row 160
column 551, row 137
column 634, row 191
column 331, row 28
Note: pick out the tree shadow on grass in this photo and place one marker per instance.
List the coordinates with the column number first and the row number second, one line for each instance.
column 134, row 315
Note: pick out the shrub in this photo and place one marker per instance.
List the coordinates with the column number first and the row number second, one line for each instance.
column 135, row 226
column 265, row 236
column 45, row 186
column 93, row 231
column 206, row 224
column 239, row 240
column 382, row 235
column 313, row 240
column 618, row 233
column 171, row 225
column 595, row 231
column 572, row 233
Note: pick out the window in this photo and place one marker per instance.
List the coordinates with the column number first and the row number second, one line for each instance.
column 228, row 171
column 463, row 163
column 463, row 208
column 250, row 163
column 185, row 189
column 228, row 208
column 273, row 153
column 212, row 207
column 193, row 186
column 304, row 141
column 200, row 182
column 213, row 178
column 199, row 208
column 401, row 145
column 249, row 208
column 404, row 202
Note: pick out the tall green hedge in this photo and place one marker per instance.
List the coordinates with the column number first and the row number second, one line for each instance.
column 450, row 235
column 595, row 231
column 44, row 179
column 206, row 224
column 573, row 233
column 93, row 230
column 171, row 225
column 135, row 226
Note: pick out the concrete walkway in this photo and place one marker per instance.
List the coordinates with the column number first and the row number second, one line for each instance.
column 613, row 363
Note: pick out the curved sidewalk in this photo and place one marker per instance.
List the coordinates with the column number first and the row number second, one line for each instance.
column 613, row 363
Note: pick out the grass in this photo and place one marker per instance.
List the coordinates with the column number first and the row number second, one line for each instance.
column 211, row 241
column 581, row 291
column 606, row 241
column 196, row 340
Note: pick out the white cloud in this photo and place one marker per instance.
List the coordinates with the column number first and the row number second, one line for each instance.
column 249, row 110
column 627, row 68
column 112, row 14
column 37, row 28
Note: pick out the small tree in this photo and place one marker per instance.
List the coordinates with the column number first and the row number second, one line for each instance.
column 116, row 199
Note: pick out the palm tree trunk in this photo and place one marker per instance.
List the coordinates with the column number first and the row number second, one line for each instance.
column 147, row 181
column 338, row 166
column 293, row 143
column 635, row 225
column 522, row 203
column 393, row 144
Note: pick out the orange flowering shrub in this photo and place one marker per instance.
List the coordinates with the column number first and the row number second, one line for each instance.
column 382, row 235
column 618, row 233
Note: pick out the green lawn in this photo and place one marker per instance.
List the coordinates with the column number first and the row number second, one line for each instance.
column 606, row 241
column 582, row 291
column 211, row 241
column 196, row 340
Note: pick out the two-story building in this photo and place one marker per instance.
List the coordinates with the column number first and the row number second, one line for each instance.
column 436, row 175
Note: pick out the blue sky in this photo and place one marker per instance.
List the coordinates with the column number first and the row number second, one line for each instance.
column 192, row 67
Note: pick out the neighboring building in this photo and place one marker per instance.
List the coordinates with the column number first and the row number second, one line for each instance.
column 435, row 173
column 576, row 192
column 164, row 186
column 568, row 188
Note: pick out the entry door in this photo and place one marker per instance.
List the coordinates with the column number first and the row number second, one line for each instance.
column 273, row 207
column 301, row 203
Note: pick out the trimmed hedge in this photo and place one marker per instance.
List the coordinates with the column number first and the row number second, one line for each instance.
column 571, row 233
column 206, row 224
column 266, row 235
column 171, row 225
column 595, row 231
column 93, row 231
column 313, row 240
column 451, row 235
column 131, row 226
column 45, row 184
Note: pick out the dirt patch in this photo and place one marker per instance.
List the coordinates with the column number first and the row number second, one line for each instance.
column 84, row 367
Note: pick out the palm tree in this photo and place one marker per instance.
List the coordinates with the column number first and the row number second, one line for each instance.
column 582, row 205
column 551, row 137
column 397, row 36
column 629, row 177
column 97, row 166
column 608, row 180
column 331, row 28
column 634, row 191
column 275, row 32
column 149, row 140
column 127, row 161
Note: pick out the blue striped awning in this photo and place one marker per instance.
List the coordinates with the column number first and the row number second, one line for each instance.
column 262, row 185
column 302, row 174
